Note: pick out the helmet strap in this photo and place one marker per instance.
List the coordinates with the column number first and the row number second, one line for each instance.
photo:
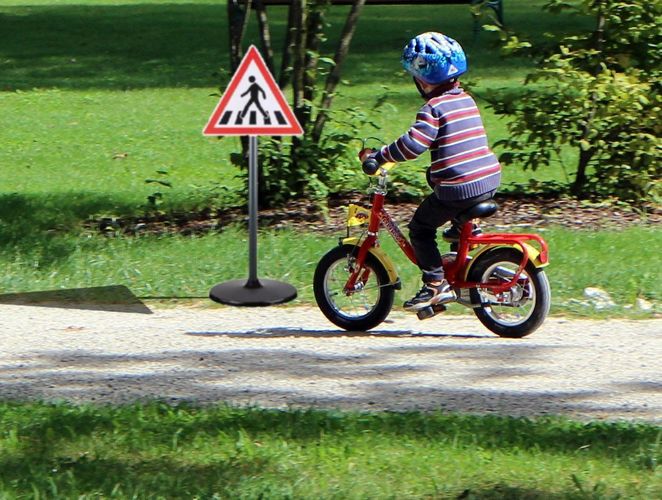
column 440, row 89
column 420, row 89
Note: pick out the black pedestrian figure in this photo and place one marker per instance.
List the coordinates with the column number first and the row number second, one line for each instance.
column 254, row 90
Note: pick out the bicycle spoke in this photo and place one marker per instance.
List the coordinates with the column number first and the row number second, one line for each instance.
column 358, row 302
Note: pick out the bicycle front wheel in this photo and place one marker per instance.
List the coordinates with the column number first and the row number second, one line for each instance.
column 361, row 309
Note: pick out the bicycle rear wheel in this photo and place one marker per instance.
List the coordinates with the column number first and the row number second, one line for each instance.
column 519, row 311
column 362, row 309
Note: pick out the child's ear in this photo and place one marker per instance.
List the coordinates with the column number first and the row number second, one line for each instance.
column 419, row 86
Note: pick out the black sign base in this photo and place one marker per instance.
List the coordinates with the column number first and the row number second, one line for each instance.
column 252, row 293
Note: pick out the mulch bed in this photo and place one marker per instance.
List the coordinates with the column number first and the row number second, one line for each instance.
column 302, row 215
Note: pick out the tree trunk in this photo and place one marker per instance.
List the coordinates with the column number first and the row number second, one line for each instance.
column 586, row 153
column 238, row 22
column 285, row 72
column 579, row 186
column 265, row 34
column 298, row 60
column 334, row 76
column 298, row 13
column 315, row 26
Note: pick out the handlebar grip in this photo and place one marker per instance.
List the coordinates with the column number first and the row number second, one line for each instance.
column 370, row 166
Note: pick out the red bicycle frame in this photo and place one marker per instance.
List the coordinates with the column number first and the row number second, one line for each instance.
column 454, row 271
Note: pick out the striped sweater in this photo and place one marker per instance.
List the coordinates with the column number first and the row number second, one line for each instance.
column 449, row 125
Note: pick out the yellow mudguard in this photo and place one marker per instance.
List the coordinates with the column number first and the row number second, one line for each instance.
column 357, row 215
column 534, row 255
column 381, row 257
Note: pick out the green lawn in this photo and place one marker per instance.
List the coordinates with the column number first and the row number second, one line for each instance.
column 100, row 96
column 188, row 267
column 158, row 451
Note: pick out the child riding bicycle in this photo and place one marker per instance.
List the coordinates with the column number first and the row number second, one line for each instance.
column 463, row 170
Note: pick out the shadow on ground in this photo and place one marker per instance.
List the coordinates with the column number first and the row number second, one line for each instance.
column 289, row 375
column 42, row 224
column 116, row 298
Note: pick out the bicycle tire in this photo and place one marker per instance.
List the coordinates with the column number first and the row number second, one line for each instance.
column 361, row 310
column 508, row 319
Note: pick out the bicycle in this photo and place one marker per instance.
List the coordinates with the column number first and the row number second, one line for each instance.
column 500, row 276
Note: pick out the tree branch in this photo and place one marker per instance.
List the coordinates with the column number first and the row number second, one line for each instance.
column 334, row 76
column 265, row 34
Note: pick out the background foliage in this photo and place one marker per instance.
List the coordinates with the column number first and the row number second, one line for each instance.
column 158, row 450
column 103, row 106
column 598, row 92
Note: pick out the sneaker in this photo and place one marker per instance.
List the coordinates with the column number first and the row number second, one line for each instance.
column 452, row 234
column 438, row 292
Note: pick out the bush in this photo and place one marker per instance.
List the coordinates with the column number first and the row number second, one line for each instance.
column 598, row 93
column 319, row 167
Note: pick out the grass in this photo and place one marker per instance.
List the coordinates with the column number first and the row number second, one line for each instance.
column 107, row 144
column 100, row 97
column 152, row 266
column 159, row 451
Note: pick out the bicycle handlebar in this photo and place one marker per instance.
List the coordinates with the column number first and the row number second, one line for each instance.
column 370, row 166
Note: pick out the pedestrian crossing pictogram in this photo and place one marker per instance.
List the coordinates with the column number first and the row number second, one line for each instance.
column 236, row 118
column 252, row 104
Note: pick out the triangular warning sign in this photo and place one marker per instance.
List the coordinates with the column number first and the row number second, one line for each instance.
column 252, row 104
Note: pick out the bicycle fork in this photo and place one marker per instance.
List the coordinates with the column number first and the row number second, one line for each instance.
column 359, row 273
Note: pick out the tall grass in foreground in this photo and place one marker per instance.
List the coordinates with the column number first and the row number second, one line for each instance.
column 187, row 267
column 159, row 451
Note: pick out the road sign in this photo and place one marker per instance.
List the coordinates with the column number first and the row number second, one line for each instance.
column 252, row 104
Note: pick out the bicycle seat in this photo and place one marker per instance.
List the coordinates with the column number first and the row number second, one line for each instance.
column 480, row 211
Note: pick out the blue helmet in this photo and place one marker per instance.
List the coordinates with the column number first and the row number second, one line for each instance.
column 434, row 58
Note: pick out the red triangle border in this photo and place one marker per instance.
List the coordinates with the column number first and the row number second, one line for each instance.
column 292, row 128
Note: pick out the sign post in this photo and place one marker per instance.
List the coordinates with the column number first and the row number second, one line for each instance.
column 252, row 105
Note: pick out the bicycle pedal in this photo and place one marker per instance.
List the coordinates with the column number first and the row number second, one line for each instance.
column 428, row 312
column 438, row 308
column 425, row 313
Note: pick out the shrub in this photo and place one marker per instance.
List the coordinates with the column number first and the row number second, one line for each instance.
column 598, row 93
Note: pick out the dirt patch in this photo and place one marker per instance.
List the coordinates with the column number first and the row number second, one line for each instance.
column 513, row 212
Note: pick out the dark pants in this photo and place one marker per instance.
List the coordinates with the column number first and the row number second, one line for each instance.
column 431, row 214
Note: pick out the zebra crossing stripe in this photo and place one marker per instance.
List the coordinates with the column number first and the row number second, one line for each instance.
column 226, row 118
column 252, row 118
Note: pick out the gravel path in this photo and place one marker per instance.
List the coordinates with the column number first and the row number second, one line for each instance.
column 292, row 357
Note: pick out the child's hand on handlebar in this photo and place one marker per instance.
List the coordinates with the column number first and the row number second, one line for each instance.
column 365, row 153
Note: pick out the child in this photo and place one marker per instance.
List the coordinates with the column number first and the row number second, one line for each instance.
column 463, row 171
